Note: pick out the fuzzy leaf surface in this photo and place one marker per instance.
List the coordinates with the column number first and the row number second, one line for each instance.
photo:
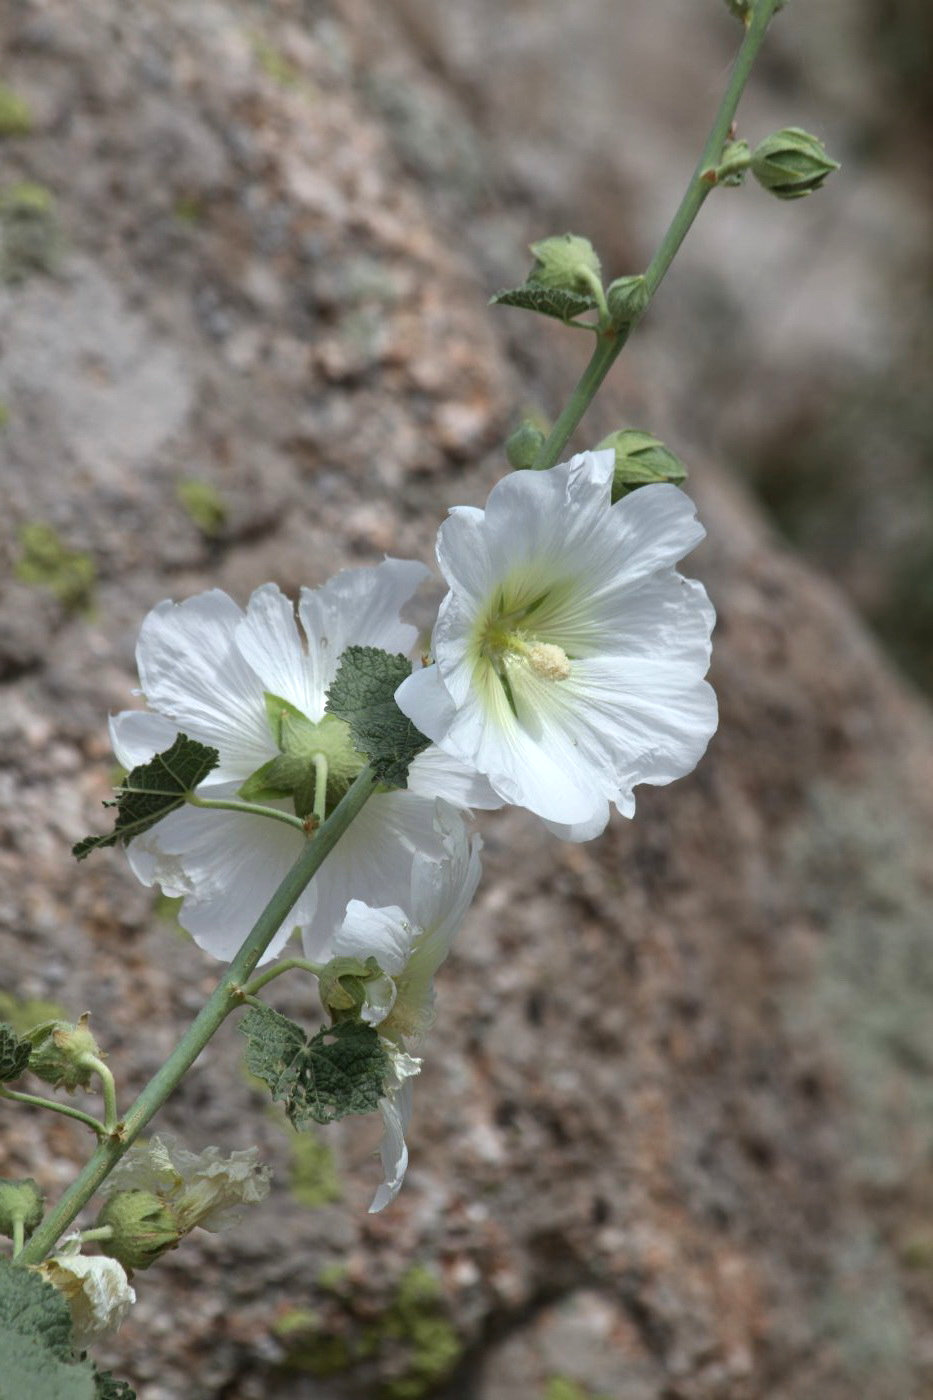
column 14, row 1054
column 339, row 1071
column 35, row 1341
column 547, row 301
column 152, row 790
column 363, row 694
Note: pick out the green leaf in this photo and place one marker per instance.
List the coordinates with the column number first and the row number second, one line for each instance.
column 109, row 1388
column 547, row 301
column 341, row 1070
column 27, row 1369
column 363, row 694
column 36, row 1359
column 30, row 1306
column 14, row 1054
column 153, row 790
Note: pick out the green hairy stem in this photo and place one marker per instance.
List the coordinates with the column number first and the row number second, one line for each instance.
column 609, row 342
column 226, row 997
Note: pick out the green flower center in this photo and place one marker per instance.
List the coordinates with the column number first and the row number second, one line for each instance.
column 513, row 635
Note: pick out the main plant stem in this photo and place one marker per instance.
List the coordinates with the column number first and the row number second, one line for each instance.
column 227, row 995
column 610, row 341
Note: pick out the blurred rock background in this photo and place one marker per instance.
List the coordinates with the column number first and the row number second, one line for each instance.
column 674, row 1137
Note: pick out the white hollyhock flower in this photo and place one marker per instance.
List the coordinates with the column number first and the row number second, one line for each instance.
column 207, row 667
column 96, row 1289
column 408, row 946
column 569, row 653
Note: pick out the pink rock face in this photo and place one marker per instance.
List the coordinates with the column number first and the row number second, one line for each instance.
column 672, row 1138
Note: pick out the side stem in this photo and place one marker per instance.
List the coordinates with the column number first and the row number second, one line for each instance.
column 610, row 342
column 224, row 999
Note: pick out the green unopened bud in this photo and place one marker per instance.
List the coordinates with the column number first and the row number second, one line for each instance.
column 62, row 1053
column 641, row 460
column 566, row 261
column 626, row 298
column 142, row 1227
column 523, row 446
column 21, row 1203
column 792, row 163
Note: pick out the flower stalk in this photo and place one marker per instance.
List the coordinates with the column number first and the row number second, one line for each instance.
column 226, row 997
column 609, row 341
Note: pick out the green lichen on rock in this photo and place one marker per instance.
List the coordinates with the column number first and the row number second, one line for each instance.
column 563, row 1388
column 29, row 231
column 309, row 1345
column 203, row 505
column 15, row 113
column 24, row 1015
column 46, row 562
column 314, row 1181
column 4, row 414
column 417, row 1328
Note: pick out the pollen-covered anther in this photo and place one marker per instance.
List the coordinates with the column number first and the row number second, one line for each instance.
column 548, row 661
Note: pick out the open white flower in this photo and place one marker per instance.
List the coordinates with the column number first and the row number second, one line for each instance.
column 96, row 1289
column 408, row 946
column 208, row 669
column 569, row 653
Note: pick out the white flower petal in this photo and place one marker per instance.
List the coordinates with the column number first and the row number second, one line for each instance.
column 227, row 866
column 396, row 1116
column 269, row 641
column 136, row 736
column 192, row 672
column 360, row 607
column 385, row 934
column 433, row 773
column 97, row 1291
column 371, row 862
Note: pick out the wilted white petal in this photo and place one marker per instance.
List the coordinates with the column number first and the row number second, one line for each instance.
column 396, row 1116
column 96, row 1289
column 208, row 1189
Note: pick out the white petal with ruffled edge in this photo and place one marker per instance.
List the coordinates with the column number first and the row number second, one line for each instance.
column 551, row 567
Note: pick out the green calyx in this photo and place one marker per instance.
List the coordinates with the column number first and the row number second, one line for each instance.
column 142, row 1228
column 64, row 1055
column 342, row 985
column 315, row 758
column 641, row 460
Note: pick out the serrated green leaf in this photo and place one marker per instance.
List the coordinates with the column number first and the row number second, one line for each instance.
column 547, row 301
column 153, row 790
column 363, row 695
column 14, row 1054
column 109, row 1388
column 28, row 1371
column 340, row 1071
column 30, row 1306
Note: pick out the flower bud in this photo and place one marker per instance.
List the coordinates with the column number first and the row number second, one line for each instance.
column 566, row 261
column 21, row 1202
column 142, row 1226
column 61, row 1052
column 791, row 163
column 523, row 446
column 626, row 298
column 641, row 460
